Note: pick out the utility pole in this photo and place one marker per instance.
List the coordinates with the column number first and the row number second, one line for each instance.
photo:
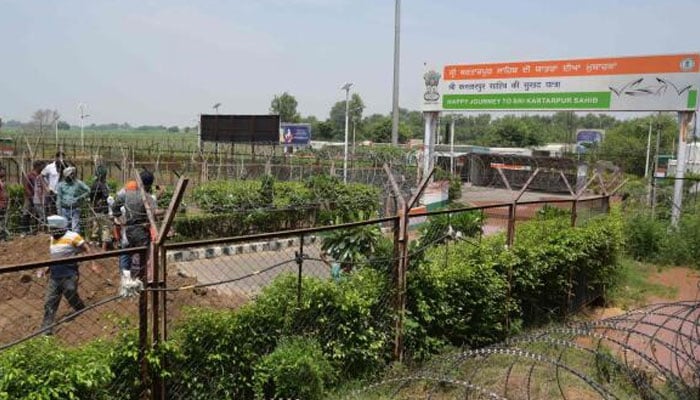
column 646, row 166
column 655, row 164
column 81, row 107
column 684, row 119
column 452, row 145
column 346, row 87
column 395, row 97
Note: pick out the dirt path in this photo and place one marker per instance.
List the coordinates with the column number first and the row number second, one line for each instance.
column 665, row 331
column 685, row 280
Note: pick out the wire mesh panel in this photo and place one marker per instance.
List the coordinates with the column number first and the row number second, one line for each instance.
column 244, row 297
column 587, row 209
column 62, row 315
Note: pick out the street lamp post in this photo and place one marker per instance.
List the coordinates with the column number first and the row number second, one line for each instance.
column 346, row 87
column 81, row 107
column 216, row 144
column 55, row 126
column 646, row 166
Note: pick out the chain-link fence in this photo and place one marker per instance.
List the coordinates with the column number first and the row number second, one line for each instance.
column 242, row 296
column 71, row 307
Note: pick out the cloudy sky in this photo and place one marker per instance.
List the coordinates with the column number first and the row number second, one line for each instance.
column 164, row 62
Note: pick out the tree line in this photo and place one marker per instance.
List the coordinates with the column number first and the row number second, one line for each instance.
column 625, row 140
column 624, row 144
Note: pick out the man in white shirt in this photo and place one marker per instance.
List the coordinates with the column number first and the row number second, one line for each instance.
column 51, row 174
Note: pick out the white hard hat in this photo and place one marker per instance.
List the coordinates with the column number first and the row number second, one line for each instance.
column 57, row 222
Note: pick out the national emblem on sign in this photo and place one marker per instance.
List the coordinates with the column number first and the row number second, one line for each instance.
column 432, row 79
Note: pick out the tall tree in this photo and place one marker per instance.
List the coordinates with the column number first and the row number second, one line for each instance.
column 625, row 144
column 321, row 130
column 413, row 123
column 337, row 115
column 378, row 127
column 43, row 119
column 286, row 106
column 511, row 131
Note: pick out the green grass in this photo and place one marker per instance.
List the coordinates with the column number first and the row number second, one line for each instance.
column 634, row 287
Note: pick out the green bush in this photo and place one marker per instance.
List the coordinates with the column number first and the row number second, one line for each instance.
column 455, row 188
column 550, row 258
column 644, row 236
column 437, row 228
column 15, row 195
column 44, row 369
column 39, row 369
column 233, row 208
column 459, row 297
column 681, row 246
column 350, row 319
column 296, row 369
column 551, row 212
column 477, row 293
column 220, row 348
column 352, row 245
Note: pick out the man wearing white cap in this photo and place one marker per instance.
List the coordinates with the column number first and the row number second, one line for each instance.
column 63, row 278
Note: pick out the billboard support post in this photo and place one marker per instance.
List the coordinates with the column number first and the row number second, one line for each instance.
column 452, row 145
column 684, row 119
column 430, row 130
column 646, row 165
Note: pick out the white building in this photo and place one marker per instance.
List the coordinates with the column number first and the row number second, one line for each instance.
column 692, row 163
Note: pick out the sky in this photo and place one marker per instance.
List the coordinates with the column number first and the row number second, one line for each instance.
column 163, row 62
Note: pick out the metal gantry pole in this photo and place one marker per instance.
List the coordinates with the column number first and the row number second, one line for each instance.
column 684, row 119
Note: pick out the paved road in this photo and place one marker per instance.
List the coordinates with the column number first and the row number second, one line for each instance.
column 246, row 265
column 490, row 195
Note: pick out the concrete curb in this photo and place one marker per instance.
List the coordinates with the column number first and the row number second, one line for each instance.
column 233, row 249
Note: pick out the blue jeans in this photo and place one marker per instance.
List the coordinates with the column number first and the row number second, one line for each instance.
column 136, row 236
column 72, row 214
column 130, row 262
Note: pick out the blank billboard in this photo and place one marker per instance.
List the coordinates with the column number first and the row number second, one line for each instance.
column 240, row 128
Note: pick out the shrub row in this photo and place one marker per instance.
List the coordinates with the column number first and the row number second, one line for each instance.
column 234, row 208
column 478, row 293
column 655, row 240
column 230, row 354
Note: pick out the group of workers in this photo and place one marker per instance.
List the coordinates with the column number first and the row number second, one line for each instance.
column 126, row 213
column 54, row 189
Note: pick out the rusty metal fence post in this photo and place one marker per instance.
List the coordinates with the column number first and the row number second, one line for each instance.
column 300, row 263
column 144, row 344
column 512, row 208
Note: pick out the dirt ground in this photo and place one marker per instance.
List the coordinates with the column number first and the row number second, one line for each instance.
column 664, row 329
column 22, row 297
column 685, row 281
